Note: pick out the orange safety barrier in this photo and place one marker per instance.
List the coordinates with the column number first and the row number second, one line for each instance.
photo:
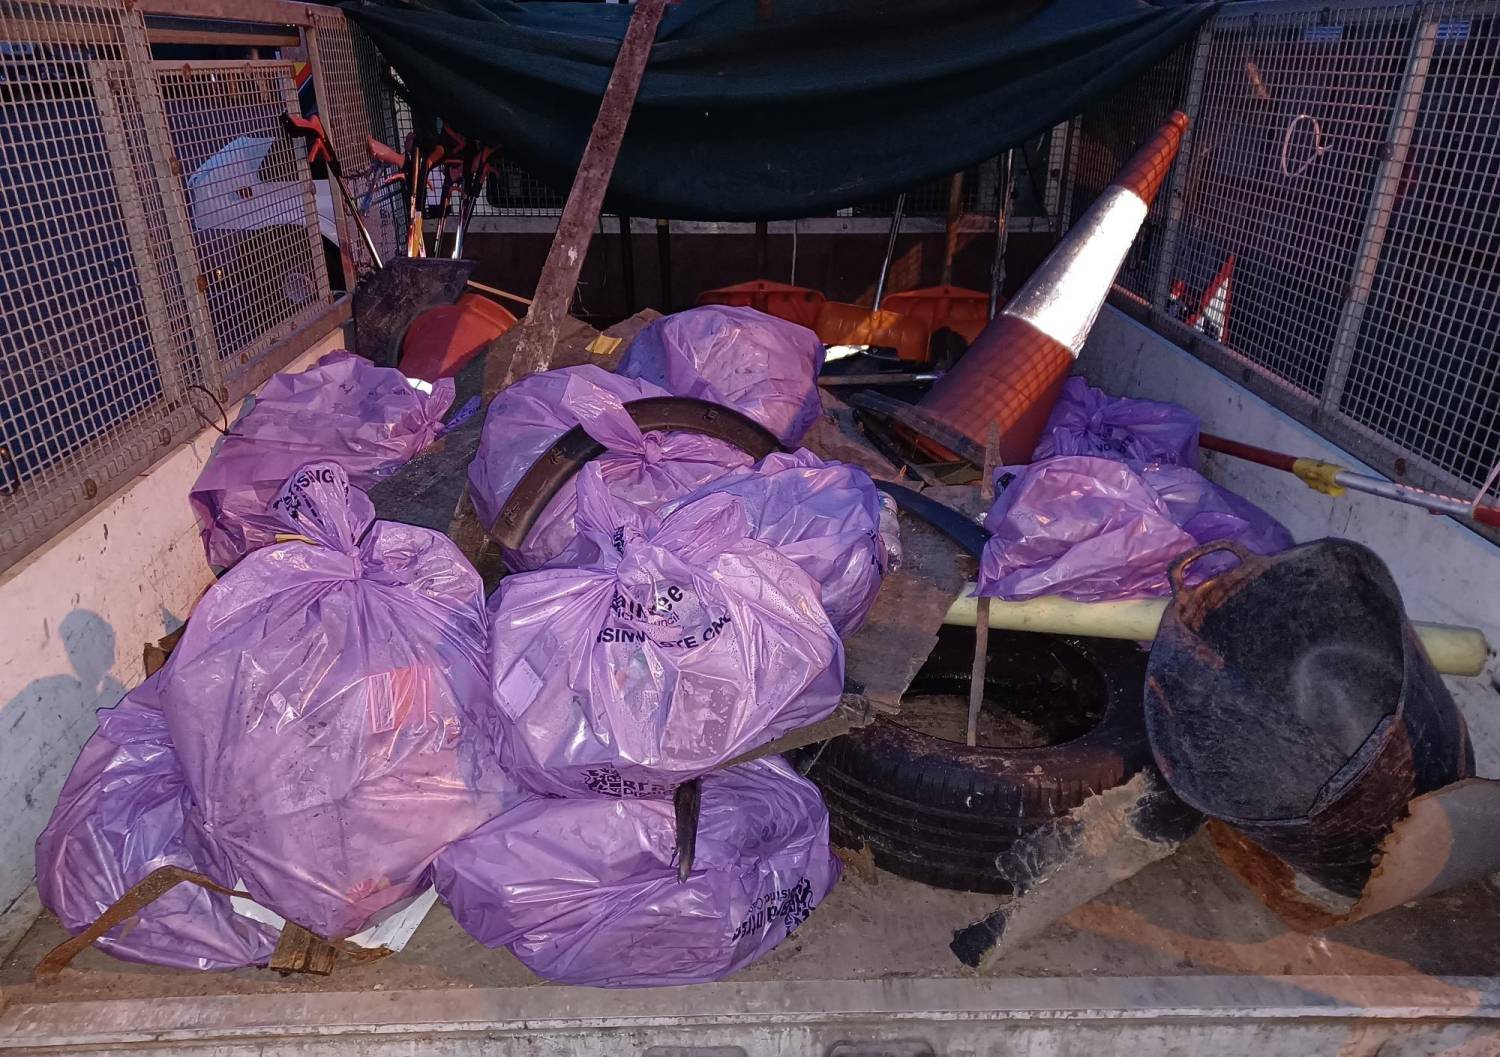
column 845, row 324
column 963, row 311
column 799, row 304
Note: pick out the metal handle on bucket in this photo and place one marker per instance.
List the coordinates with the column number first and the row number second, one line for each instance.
column 1178, row 569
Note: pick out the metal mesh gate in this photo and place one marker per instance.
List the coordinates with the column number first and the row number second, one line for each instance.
column 358, row 104
column 94, row 345
column 1333, row 221
column 160, row 237
column 253, row 206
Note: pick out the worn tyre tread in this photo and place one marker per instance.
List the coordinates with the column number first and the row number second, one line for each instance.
column 939, row 812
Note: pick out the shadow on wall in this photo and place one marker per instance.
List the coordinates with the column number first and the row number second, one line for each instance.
column 41, row 730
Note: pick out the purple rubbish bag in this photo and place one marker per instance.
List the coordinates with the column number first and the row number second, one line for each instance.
column 1093, row 529
column 315, row 700
column 764, row 367
column 585, row 891
column 124, row 813
column 1207, row 511
column 1089, row 421
column 828, row 517
column 369, row 420
column 685, row 643
column 645, row 470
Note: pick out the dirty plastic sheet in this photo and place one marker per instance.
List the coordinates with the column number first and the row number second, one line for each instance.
column 828, row 517
column 585, row 891
column 315, row 703
column 124, row 813
column 644, row 470
column 1089, row 421
column 1093, row 529
column 683, row 644
column 764, row 367
column 369, row 420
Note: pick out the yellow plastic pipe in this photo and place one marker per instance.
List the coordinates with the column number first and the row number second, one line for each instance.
column 1453, row 650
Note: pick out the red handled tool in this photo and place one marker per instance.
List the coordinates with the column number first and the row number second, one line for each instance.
column 319, row 147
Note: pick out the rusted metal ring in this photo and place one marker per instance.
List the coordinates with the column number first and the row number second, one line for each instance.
column 568, row 454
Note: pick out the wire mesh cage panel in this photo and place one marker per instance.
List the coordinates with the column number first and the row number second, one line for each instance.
column 254, row 209
column 95, row 357
column 355, row 94
column 1109, row 133
column 1423, row 366
column 1291, row 126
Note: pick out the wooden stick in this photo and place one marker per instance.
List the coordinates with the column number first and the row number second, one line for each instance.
column 495, row 291
column 580, row 216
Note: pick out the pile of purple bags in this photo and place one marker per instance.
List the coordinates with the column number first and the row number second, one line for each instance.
column 674, row 607
column 345, row 723
column 1113, row 495
column 304, row 743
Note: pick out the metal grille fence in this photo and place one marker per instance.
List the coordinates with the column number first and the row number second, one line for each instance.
column 159, row 236
column 253, row 206
column 357, row 102
column 93, row 347
column 1331, row 230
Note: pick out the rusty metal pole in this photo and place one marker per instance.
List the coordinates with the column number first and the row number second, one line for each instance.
column 982, row 610
column 554, row 290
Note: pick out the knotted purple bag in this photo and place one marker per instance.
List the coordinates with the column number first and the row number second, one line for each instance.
column 684, row 643
column 369, row 420
column 644, row 470
column 124, row 813
column 828, row 517
column 314, row 701
column 585, row 891
column 765, row 367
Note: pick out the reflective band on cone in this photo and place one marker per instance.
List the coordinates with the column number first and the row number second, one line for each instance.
column 1014, row 370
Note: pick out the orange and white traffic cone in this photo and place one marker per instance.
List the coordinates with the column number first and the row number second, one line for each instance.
column 1014, row 370
column 1212, row 316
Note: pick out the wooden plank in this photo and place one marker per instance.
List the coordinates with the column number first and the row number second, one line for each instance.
column 580, row 216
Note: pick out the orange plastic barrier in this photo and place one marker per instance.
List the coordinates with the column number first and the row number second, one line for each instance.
column 799, row 304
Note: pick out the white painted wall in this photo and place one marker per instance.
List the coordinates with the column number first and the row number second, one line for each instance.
column 1445, row 572
column 76, row 615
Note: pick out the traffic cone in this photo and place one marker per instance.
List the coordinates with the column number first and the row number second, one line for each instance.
column 1013, row 372
column 1212, row 316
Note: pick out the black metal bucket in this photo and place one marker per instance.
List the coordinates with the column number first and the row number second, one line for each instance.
column 1290, row 698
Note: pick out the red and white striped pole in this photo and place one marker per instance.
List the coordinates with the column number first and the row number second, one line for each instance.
column 1014, row 370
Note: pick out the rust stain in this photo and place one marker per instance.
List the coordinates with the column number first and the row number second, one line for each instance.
column 1287, row 954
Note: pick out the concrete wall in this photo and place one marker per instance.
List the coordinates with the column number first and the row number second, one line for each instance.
column 76, row 615
column 1445, row 571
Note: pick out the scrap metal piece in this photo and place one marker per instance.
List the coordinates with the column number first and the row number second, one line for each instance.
column 299, row 951
column 687, row 803
column 135, row 899
column 1449, row 837
column 1109, row 838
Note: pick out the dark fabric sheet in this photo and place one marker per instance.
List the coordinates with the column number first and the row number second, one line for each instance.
column 822, row 104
